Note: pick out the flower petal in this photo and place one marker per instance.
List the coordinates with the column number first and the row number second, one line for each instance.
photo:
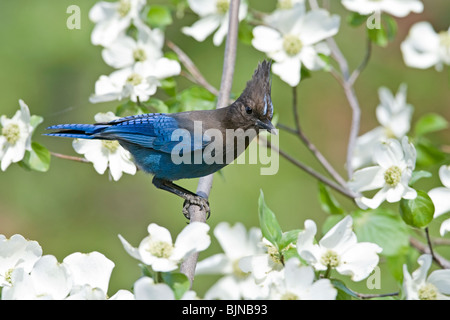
column 202, row 28
column 267, row 39
column 359, row 260
column 92, row 269
column 288, row 70
column 441, row 200
column 193, row 238
column 340, row 236
column 318, row 25
column 444, row 175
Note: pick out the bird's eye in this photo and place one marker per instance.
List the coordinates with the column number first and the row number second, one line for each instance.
column 248, row 110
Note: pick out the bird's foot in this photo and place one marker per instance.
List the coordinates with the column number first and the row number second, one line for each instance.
column 198, row 201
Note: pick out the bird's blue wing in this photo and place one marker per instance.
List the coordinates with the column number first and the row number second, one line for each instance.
column 156, row 131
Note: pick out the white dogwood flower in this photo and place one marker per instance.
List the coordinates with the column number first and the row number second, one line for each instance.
column 441, row 198
column 420, row 287
column 137, row 82
column 158, row 251
column 424, row 47
column 236, row 243
column 213, row 14
column 394, row 114
column 48, row 280
column 106, row 153
column 339, row 250
column 16, row 252
column 146, row 289
column 125, row 51
column 297, row 283
column 113, row 18
column 398, row 8
column 395, row 163
column 91, row 273
column 292, row 38
column 15, row 135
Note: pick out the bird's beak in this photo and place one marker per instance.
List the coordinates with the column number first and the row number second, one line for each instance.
column 267, row 125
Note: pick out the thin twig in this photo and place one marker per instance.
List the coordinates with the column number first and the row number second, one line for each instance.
column 66, row 157
column 205, row 183
column 311, row 171
column 430, row 245
column 363, row 64
column 423, row 248
column 197, row 76
column 375, row 295
column 319, row 156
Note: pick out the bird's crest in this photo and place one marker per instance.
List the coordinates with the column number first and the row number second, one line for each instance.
column 258, row 88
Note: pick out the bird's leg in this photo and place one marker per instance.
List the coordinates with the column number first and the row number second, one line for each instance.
column 188, row 196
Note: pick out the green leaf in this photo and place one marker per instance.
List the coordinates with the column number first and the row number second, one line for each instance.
column 427, row 153
column 304, row 73
column 383, row 227
column 157, row 105
column 130, row 108
column 417, row 175
column 35, row 121
column 355, row 19
column 391, row 26
column 344, row 293
column 419, row 211
column 288, row 237
column 159, row 16
column 327, row 201
column 178, row 282
column 270, row 227
column 169, row 85
column 383, row 30
column 430, row 122
column 38, row 159
column 245, row 32
column 196, row 98
column 378, row 36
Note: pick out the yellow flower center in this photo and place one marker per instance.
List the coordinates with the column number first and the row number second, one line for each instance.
column 222, row 6
column 330, row 259
column 292, row 44
column 111, row 146
column 8, row 274
column 11, row 132
column 428, row 292
column 134, row 79
column 161, row 249
column 275, row 255
column 289, row 296
column 392, row 176
column 124, row 7
column 285, row 4
column 139, row 55
column 444, row 37
column 237, row 271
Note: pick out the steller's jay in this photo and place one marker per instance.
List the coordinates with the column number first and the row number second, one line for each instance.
column 157, row 141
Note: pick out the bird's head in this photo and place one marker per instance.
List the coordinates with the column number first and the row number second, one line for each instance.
column 254, row 108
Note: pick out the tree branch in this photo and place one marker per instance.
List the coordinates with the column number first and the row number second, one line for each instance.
column 311, row 171
column 347, row 83
column 442, row 262
column 319, row 156
column 205, row 183
column 196, row 75
column 66, row 157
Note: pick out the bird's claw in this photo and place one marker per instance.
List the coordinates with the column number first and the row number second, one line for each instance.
column 198, row 201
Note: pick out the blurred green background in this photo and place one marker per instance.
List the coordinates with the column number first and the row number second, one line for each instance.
column 72, row 208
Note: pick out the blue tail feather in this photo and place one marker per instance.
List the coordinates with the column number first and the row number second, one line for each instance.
column 77, row 131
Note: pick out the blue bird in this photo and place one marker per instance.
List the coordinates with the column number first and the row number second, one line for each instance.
column 188, row 144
